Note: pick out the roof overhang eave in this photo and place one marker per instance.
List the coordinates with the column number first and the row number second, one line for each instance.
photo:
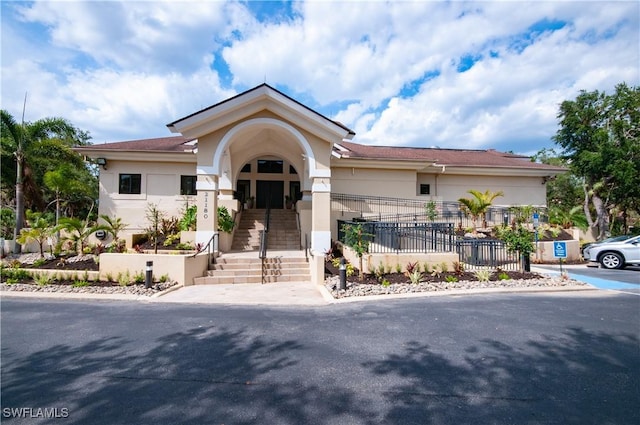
column 141, row 156
column 498, row 171
column 341, row 161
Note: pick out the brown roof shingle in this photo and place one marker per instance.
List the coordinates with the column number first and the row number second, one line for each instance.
column 159, row 144
column 439, row 156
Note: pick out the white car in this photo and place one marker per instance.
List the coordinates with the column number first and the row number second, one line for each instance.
column 615, row 255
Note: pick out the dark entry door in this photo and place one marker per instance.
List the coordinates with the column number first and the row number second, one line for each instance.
column 272, row 190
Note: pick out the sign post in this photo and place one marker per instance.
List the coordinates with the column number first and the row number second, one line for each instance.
column 560, row 251
column 536, row 222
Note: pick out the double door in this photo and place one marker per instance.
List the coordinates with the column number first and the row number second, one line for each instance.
column 270, row 191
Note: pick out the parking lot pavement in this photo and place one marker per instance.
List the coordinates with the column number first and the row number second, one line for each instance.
column 627, row 279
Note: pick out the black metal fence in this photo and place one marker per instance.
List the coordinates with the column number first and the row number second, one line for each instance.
column 385, row 209
column 478, row 254
column 420, row 237
column 386, row 237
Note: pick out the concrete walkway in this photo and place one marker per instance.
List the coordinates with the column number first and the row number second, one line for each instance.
column 281, row 293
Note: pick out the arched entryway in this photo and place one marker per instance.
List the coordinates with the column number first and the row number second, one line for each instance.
column 268, row 180
column 263, row 123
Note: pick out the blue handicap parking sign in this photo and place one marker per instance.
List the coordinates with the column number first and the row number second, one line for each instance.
column 559, row 249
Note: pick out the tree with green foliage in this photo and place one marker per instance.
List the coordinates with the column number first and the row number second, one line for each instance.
column 357, row 239
column 29, row 150
column 564, row 191
column 566, row 219
column 600, row 137
column 518, row 239
column 478, row 205
column 65, row 184
column 431, row 210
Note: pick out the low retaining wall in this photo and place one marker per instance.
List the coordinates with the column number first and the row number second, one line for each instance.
column 89, row 276
column 180, row 268
column 544, row 253
column 371, row 261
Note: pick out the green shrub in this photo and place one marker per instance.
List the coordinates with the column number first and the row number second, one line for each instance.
column 42, row 279
column 415, row 277
column 171, row 239
column 225, row 221
column 139, row 278
column 14, row 275
column 450, row 279
column 39, row 262
column 80, row 283
column 189, row 218
column 503, row 276
column 385, row 283
column 124, row 279
column 482, row 275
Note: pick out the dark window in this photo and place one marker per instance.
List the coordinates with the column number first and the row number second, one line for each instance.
column 292, row 170
column 272, row 167
column 130, row 184
column 246, row 168
column 425, row 189
column 188, row 185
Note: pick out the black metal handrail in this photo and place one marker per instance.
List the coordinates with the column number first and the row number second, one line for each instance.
column 306, row 247
column 211, row 259
column 263, row 240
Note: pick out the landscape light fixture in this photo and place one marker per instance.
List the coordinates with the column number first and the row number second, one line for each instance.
column 102, row 162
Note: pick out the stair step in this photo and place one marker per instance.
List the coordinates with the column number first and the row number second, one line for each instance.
column 258, row 272
column 215, row 280
column 234, row 270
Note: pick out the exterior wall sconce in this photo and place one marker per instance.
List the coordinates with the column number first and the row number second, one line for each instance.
column 102, row 162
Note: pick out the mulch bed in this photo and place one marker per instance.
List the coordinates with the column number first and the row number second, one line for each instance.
column 62, row 263
column 371, row 279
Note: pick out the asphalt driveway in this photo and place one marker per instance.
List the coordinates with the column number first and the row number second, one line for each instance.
column 563, row 358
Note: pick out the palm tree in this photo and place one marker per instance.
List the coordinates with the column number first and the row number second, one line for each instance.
column 39, row 231
column 478, row 205
column 114, row 226
column 36, row 147
column 78, row 231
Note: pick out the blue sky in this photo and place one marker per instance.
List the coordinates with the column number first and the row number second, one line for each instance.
column 407, row 73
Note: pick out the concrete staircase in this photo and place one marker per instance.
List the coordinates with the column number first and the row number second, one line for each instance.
column 285, row 260
column 230, row 268
column 283, row 231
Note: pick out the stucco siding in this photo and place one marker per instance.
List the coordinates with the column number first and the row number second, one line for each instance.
column 160, row 185
column 517, row 190
column 372, row 182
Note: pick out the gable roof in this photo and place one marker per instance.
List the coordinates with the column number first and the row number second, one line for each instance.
column 257, row 88
column 440, row 157
column 252, row 101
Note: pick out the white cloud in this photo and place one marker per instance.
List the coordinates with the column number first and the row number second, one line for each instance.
column 124, row 69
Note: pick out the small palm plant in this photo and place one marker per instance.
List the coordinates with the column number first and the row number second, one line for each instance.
column 78, row 231
column 478, row 205
column 113, row 226
column 39, row 231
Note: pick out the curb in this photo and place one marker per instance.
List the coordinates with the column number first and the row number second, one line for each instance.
column 465, row 292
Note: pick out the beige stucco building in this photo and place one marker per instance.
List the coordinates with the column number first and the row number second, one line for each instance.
column 264, row 145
